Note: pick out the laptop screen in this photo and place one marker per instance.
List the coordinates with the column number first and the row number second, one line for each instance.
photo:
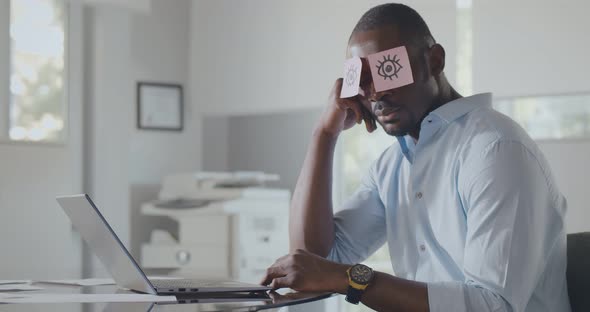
column 105, row 244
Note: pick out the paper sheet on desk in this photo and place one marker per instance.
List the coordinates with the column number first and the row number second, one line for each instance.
column 82, row 298
column 5, row 282
column 18, row 287
column 81, row 282
column 96, row 281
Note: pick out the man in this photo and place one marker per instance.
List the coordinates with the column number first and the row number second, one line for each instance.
column 465, row 199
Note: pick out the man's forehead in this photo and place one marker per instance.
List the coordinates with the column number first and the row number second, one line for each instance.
column 363, row 43
column 362, row 49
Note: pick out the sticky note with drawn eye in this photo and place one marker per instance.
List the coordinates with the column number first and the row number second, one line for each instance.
column 352, row 77
column 390, row 69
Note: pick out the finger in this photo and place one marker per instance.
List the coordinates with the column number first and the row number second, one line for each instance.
column 265, row 280
column 366, row 105
column 355, row 106
column 281, row 282
column 364, row 101
column 367, row 117
column 350, row 107
column 373, row 123
column 272, row 273
column 369, row 110
column 337, row 88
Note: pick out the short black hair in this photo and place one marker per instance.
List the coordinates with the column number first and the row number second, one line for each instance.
column 412, row 27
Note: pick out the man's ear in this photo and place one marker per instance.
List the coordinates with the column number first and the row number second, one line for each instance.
column 437, row 59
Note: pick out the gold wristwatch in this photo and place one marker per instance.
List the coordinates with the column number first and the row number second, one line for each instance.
column 359, row 277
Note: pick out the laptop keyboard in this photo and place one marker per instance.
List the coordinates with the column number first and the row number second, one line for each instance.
column 174, row 283
column 194, row 283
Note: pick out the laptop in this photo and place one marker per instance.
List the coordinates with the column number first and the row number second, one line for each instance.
column 103, row 241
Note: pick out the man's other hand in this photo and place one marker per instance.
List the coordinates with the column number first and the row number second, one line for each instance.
column 342, row 114
column 307, row 272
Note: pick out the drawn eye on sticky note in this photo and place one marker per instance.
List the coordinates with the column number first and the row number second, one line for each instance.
column 352, row 77
column 391, row 69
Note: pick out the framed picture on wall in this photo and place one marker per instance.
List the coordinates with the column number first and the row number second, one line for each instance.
column 159, row 106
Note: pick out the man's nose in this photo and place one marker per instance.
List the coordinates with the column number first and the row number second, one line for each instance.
column 372, row 95
column 375, row 96
column 377, row 105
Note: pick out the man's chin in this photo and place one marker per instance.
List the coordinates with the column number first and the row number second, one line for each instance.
column 392, row 130
column 397, row 133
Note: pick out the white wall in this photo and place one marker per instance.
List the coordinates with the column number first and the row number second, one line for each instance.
column 216, row 153
column 125, row 47
column 531, row 47
column 275, row 56
column 276, row 143
column 160, row 45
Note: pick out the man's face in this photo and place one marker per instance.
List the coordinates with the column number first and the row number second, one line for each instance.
column 399, row 111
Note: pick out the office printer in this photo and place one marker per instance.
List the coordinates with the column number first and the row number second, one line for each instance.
column 219, row 186
column 230, row 225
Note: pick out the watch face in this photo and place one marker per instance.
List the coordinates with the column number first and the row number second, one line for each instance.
column 361, row 274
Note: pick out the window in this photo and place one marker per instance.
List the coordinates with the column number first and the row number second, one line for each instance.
column 550, row 117
column 37, row 72
column 464, row 56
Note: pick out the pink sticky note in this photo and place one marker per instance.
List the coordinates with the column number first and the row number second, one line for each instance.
column 390, row 69
column 352, row 77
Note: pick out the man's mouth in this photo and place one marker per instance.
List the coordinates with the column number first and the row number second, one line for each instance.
column 388, row 114
column 391, row 118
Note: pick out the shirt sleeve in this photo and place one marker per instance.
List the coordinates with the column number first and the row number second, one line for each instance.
column 513, row 223
column 360, row 225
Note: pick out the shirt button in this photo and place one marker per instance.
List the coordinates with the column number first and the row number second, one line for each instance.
column 419, row 195
column 422, row 247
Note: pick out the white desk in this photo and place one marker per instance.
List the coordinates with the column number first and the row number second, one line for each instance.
column 199, row 304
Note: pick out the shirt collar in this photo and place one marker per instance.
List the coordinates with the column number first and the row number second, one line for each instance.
column 406, row 143
column 448, row 113
column 452, row 110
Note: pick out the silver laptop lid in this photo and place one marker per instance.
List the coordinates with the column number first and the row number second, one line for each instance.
column 105, row 244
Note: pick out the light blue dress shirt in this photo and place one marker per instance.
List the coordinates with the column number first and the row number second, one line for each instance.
column 471, row 209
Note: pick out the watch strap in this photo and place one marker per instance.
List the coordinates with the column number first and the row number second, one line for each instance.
column 354, row 295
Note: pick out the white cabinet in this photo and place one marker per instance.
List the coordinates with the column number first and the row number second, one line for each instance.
column 261, row 239
column 234, row 239
column 188, row 257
